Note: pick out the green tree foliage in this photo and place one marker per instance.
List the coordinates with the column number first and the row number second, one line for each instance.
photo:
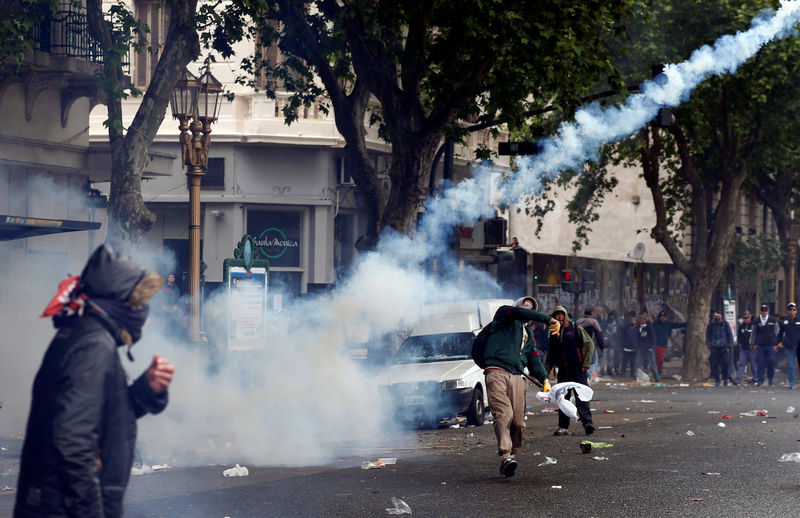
column 429, row 65
column 697, row 167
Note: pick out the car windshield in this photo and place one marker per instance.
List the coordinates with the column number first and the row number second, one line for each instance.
column 434, row 348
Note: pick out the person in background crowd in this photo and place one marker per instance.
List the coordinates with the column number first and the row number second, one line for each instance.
column 663, row 329
column 595, row 332
column 788, row 340
column 630, row 345
column 570, row 351
column 767, row 330
column 509, row 349
column 746, row 338
column 612, row 335
column 646, row 345
column 719, row 340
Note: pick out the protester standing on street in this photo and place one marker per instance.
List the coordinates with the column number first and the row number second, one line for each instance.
column 612, row 357
column 509, row 349
column 663, row 328
column 571, row 351
column 646, row 342
column 746, row 338
column 788, row 340
column 719, row 340
column 595, row 332
column 767, row 330
column 81, row 432
column 630, row 345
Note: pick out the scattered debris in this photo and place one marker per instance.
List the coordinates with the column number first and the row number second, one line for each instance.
column 690, row 433
column 724, row 416
column 608, row 411
column 159, row 467
column 372, row 465
column 710, row 473
column 646, row 401
column 400, row 507
column 548, row 460
column 697, row 499
column 597, row 445
column 144, row 469
column 600, row 458
column 7, row 488
column 790, row 457
column 790, row 409
column 388, row 460
column 236, row 471
column 555, row 487
column 721, row 425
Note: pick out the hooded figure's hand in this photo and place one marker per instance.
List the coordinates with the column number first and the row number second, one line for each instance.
column 159, row 374
column 555, row 326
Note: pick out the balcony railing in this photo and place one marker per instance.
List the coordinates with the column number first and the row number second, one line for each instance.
column 65, row 32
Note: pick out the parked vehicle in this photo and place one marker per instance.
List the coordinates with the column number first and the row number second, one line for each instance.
column 432, row 378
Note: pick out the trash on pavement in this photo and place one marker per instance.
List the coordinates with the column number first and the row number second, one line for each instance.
column 236, row 471
column 709, row 473
column 790, row 457
column 646, row 401
column 159, row 467
column 642, row 376
column 697, row 499
column 144, row 469
column 597, row 445
column 548, row 460
column 388, row 460
column 753, row 413
column 558, row 394
column 600, row 458
column 400, row 507
column 724, row 416
column 790, row 409
column 608, row 411
column 372, row 465
column 555, row 487
column 721, row 425
column 7, row 488
column 689, row 433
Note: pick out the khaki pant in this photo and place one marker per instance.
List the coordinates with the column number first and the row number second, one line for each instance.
column 506, row 395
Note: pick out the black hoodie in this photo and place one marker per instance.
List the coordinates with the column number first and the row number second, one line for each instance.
column 81, row 430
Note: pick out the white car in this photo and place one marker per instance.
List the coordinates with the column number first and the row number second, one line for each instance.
column 432, row 377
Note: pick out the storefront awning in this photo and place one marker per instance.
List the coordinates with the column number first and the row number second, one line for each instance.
column 18, row 227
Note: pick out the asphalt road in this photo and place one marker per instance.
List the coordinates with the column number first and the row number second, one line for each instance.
column 654, row 469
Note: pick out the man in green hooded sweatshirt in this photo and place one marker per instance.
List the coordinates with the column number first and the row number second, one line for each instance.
column 509, row 349
column 570, row 350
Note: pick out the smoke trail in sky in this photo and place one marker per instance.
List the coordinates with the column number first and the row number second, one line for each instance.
column 594, row 125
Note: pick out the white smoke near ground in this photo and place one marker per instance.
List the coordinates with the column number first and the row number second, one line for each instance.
column 302, row 400
column 305, row 400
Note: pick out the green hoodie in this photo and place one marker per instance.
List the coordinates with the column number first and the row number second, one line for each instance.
column 504, row 347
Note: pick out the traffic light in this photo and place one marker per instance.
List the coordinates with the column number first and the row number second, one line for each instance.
column 568, row 280
column 518, row 148
column 494, row 231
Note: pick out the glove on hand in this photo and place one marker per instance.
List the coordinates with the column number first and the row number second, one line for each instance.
column 546, row 386
column 555, row 327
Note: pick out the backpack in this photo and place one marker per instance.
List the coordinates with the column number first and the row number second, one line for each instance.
column 479, row 342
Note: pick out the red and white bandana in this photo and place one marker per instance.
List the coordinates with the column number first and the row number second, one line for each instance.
column 67, row 300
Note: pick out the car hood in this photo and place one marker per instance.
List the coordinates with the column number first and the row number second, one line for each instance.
column 426, row 371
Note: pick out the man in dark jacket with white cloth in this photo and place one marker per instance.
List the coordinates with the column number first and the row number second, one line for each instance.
column 79, row 442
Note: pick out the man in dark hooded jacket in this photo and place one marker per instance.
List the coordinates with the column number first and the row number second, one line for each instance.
column 81, row 430
column 511, row 348
column 571, row 350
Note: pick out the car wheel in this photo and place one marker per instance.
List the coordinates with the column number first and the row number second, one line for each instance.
column 477, row 411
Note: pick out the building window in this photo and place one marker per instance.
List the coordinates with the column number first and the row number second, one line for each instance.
column 155, row 15
column 277, row 235
column 214, row 177
column 268, row 57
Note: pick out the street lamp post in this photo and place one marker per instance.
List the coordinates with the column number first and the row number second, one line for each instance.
column 196, row 99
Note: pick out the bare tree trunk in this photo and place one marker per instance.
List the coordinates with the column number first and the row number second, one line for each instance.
column 130, row 218
column 695, row 362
